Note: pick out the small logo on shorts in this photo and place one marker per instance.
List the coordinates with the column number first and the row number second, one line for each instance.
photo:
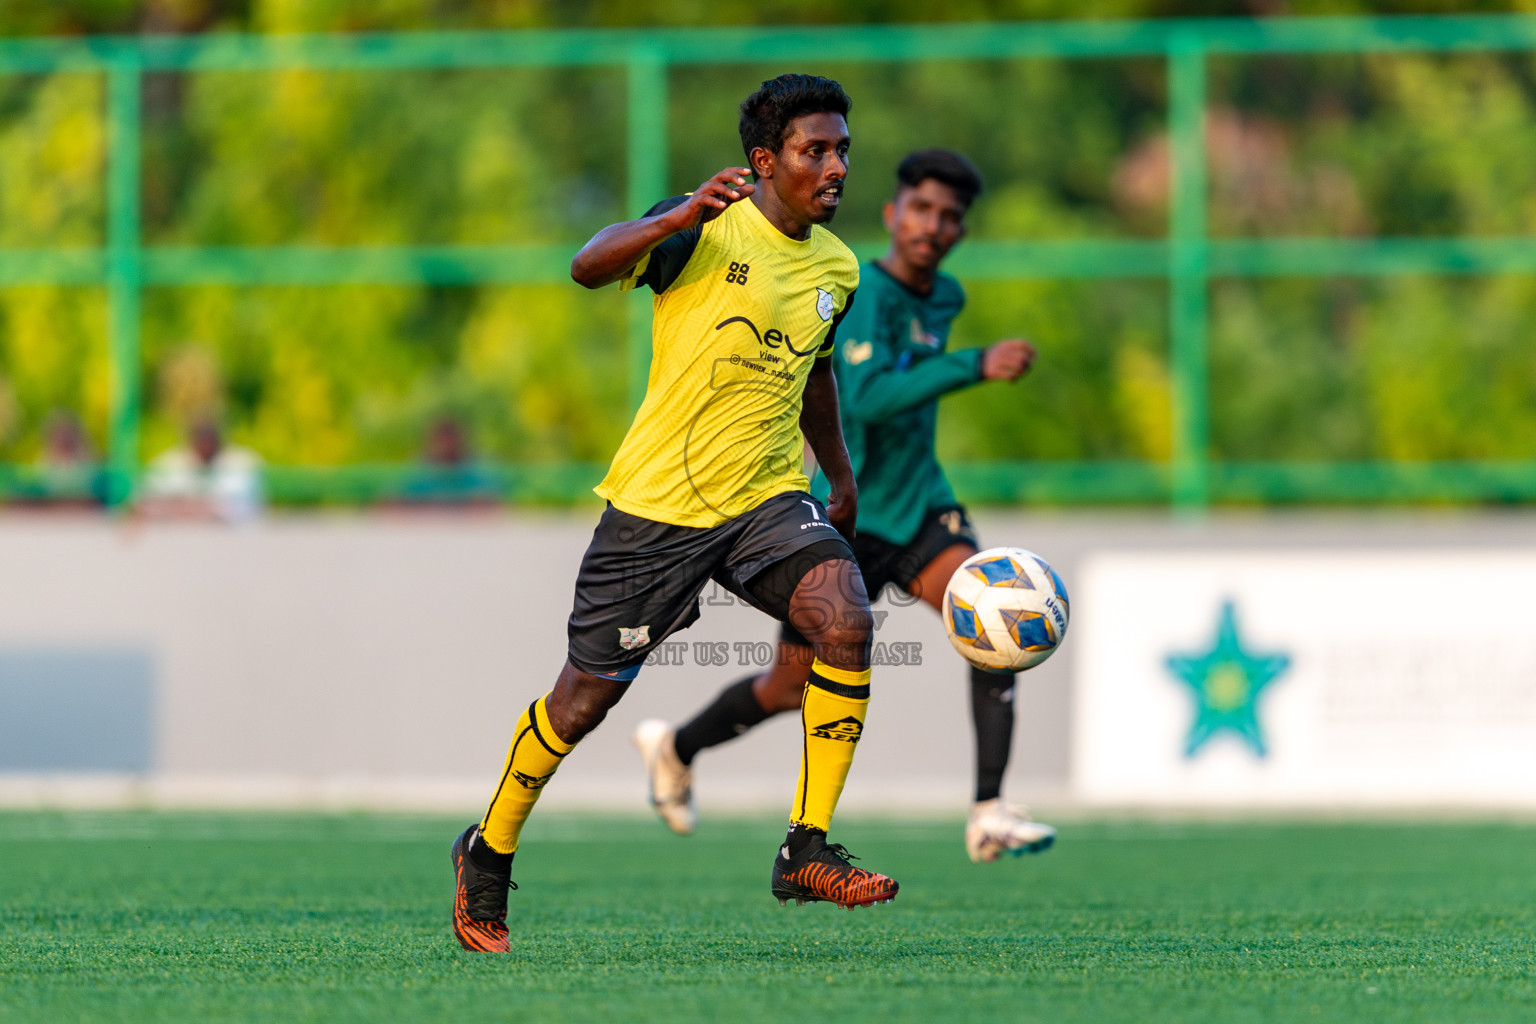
column 631, row 639
column 816, row 519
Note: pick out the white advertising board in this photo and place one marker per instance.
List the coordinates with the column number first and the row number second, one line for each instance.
column 1308, row 678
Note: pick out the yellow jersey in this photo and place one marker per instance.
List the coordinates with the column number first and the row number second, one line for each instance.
column 742, row 311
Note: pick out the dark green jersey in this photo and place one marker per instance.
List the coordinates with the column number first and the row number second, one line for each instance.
column 891, row 369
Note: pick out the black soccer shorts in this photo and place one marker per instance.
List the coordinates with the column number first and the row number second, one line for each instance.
column 882, row 562
column 640, row 580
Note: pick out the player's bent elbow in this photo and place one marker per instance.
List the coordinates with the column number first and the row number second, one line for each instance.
column 592, row 267
column 586, row 276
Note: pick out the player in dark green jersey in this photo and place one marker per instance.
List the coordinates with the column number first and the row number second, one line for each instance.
column 891, row 368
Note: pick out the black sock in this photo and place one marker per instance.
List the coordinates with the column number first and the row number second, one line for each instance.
column 799, row 837
column 733, row 712
column 992, row 713
column 487, row 859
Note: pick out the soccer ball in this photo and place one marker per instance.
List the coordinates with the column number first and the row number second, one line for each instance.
column 1005, row 609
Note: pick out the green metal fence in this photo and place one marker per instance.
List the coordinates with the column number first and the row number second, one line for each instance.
column 1188, row 258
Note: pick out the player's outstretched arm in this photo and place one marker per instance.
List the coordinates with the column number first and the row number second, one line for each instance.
column 614, row 251
column 823, row 428
column 879, row 388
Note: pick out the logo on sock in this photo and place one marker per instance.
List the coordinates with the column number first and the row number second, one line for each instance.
column 531, row 781
column 845, row 730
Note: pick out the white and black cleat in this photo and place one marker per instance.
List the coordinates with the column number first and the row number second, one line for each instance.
column 995, row 828
column 670, row 781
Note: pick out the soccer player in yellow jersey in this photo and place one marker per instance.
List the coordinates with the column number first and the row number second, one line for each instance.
column 749, row 289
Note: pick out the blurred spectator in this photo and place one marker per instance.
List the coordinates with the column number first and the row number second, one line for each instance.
column 66, row 445
column 66, row 474
column 206, row 479
column 68, row 467
column 449, row 475
column 446, row 444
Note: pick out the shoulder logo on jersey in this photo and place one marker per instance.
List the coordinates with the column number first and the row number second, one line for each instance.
column 826, row 305
column 856, row 352
column 631, row 639
column 737, row 274
column 922, row 337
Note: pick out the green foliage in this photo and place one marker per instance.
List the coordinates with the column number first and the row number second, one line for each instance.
column 36, row 17
column 53, row 356
column 344, row 374
column 357, row 374
column 1047, row 135
column 360, row 158
column 1386, row 145
column 52, row 340
column 1410, row 368
column 225, row 918
column 1084, row 399
column 52, row 151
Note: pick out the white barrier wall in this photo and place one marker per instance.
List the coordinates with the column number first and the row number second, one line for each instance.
column 343, row 661
column 1307, row 678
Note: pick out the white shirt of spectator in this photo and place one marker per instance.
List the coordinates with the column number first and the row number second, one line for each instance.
column 231, row 484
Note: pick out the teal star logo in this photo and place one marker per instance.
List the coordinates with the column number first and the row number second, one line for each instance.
column 1226, row 682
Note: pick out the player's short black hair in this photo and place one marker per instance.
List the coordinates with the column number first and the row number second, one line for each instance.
column 767, row 113
column 944, row 166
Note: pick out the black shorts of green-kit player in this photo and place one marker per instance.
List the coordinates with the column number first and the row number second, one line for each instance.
column 640, row 580
column 881, row 563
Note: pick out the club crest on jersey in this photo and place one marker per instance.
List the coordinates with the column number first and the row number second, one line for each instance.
column 826, row 305
column 630, row 639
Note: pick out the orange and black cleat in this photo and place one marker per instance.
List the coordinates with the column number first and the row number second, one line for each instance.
column 479, row 899
column 821, row 872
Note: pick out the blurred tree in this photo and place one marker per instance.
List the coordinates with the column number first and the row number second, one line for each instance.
column 1305, row 146
column 36, row 17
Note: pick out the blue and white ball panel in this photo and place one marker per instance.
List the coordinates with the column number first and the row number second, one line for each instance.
column 964, row 627
column 1005, row 609
column 998, row 572
column 1031, row 631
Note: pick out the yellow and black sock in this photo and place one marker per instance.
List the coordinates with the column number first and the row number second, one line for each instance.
column 832, row 713
column 533, row 757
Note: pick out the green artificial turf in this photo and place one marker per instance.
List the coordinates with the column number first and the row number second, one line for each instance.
column 137, row 916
